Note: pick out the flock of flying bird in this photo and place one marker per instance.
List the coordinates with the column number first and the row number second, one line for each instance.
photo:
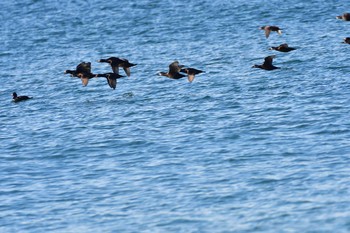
column 267, row 65
column 83, row 71
column 176, row 71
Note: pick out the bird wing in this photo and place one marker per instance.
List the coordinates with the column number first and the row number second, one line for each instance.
column 190, row 77
column 175, row 67
column 268, row 60
column 127, row 71
column 84, row 67
column 267, row 32
column 112, row 82
column 115, row 69
column 84, row 80
column 85, row 77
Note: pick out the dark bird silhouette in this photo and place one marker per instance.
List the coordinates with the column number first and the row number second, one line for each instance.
column 82, row 71
column 82, row 67
column 191, row 72
column 85, row 77
column 346, row 40
column 267, row 65
column 173, row 73
column 116, row 62
column 17, row 98
column 345, row 17
column 111, row 78
column 283, row 48
column 268, row 29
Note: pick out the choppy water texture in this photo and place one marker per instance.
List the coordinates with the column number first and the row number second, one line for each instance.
column 237, row 150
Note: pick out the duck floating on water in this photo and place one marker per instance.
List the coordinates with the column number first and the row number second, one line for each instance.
column 17, row 98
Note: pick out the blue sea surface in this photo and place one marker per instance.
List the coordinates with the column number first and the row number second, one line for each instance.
column 237, row 150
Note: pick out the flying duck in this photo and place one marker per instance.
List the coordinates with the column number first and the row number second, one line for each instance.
column 16, row 98
column 82, row 71
column 267, row 65
column 268, row 29
column 283, row 48
column 117, row 62
column 191, row 72
column 345, row 17
column 173, row 73
column 82, row 67
column 111, row 78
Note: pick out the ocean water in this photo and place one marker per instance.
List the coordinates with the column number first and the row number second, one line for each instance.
column 237, row 150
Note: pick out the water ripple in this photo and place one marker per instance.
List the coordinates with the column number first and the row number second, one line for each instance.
column 237, row 150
